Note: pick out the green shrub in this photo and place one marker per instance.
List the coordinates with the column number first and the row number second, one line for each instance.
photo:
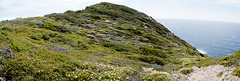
column 68, row 12
column 156, row 76
column 226, row 63
column 91, row 37
column 108, row 44
column 220, row 74
column 186, row 71
column 96, row 17
column 56, row 27
column 18, row 46
column 35, row 23
column 78, row 11
column 23, row 67
column 39, row 36
column 104, row 24
column 82, row 33
column 36, row 37
column 50, row 26
column 46, row 37
column 152, row 51
column 93, row 41
column 120, row 28
column 237, row 72
column 152, row 38
column 149, row 59
column 53, row 34
column 232, row 60
column 142, row 39
column 35, row 26
column 10, row 29
column 116, row 46
column 62, row 39
column 191, row 52
column 3, row 35
column 134, row 31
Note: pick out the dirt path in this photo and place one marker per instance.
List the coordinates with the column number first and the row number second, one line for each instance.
column 210, row 73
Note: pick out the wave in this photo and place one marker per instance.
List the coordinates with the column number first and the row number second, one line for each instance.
column 202, row 51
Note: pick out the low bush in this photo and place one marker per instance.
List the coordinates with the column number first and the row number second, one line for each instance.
column 56, row 27
column 36, row 23
column 237, row 72
column 186, row 71
column 18, row 46
column 82, row 33
column 39, row 36
column 220, row 74
column 152, row 38
column 50, row 26
column 80, row 46
column 152, row 51
column 36, row 37
column 148, row 59
column 96, row 17
column 226, row 63
column 3, row 35
column 62, row 39
column 120, row 28
column 134, row 31
column 10, row 29
column 116, row 46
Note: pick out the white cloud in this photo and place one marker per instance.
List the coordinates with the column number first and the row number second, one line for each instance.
column 234, row 3
column 26, row 8
column 188, row 9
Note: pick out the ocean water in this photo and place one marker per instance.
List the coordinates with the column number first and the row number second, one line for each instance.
column 215, row 39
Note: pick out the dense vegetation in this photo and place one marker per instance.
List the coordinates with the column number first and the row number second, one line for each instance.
column 103, row 42
column 233, row 60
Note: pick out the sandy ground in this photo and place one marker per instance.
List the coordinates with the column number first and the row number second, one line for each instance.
column 2, row 79
column 210, row 73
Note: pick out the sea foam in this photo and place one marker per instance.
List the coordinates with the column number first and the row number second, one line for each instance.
column 202, row 51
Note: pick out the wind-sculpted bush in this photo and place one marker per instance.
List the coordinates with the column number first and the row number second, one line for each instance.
column 149, row 59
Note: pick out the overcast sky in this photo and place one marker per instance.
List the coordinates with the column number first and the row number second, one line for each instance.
column 214, row 10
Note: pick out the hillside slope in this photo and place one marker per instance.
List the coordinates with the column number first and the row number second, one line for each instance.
column 104, row 42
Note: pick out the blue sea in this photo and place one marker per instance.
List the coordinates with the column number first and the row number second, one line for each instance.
column 213, row 38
